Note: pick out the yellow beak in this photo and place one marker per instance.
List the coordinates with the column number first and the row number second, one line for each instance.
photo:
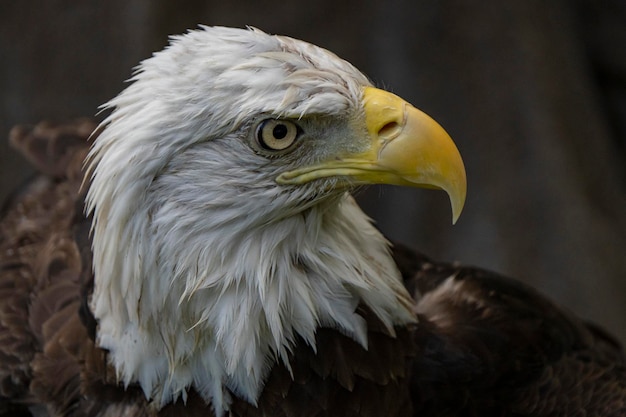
column 406, row 147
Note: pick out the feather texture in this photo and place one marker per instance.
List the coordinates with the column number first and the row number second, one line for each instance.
column 210, row 289
column 198, row 287
column 484, row 344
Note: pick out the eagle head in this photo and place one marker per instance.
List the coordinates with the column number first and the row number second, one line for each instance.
column 222, row 225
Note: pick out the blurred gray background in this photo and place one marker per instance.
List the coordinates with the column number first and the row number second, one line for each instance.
column 533, row 92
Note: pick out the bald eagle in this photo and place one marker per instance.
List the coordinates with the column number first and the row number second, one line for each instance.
column 213, row 262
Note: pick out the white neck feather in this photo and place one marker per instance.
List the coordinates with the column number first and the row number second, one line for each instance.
column 217, row 312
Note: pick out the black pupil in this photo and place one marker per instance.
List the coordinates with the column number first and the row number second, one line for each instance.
column 280, row 131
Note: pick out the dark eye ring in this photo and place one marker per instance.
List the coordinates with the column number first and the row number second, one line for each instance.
column 276, row 134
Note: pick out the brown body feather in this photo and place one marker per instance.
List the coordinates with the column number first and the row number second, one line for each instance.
column 485, row 345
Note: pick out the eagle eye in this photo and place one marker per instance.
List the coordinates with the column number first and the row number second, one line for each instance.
column 276, row 134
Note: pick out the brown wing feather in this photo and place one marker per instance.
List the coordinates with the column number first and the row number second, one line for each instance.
column 40, row 272
column 489, row 345
column 39, row 261
column 55, row 149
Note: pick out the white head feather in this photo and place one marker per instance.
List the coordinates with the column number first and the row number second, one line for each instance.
column 206, row 269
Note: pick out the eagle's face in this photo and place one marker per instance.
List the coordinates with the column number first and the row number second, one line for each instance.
column 241, row 110
column 222, row 227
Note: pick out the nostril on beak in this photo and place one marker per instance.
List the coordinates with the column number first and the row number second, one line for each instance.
column 390, row 130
